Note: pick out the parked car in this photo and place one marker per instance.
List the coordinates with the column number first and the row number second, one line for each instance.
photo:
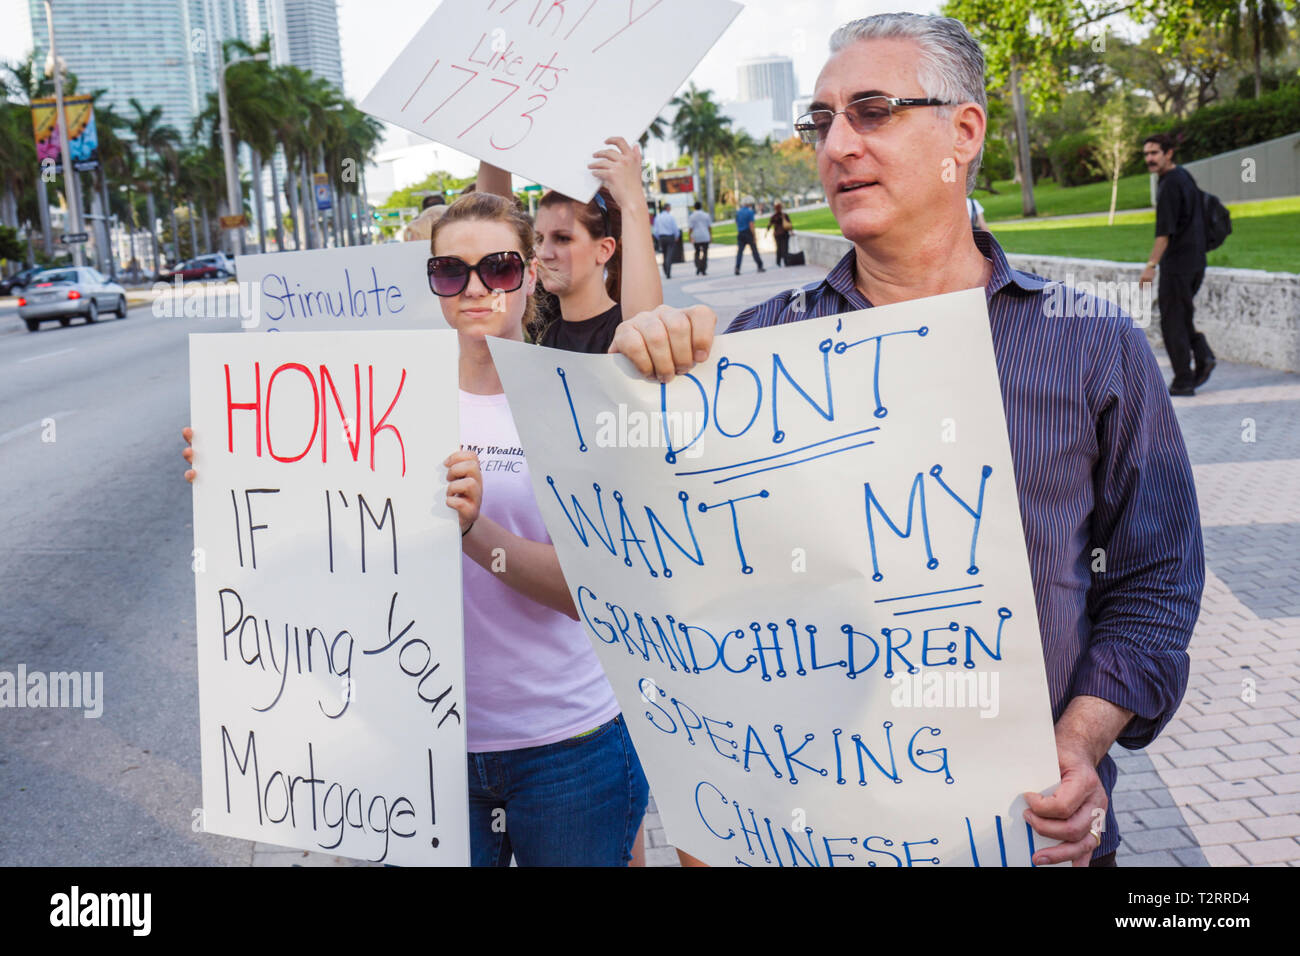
column 18, row 280
column 66, row 293
column 214, row 266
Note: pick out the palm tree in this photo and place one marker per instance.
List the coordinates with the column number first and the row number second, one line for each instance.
column 116, row 164
column 658, row 128
column 158, row 144
column 25, row 189
column 700, row 129
column 1265, row 21
column 737, row 149
column 250, row 94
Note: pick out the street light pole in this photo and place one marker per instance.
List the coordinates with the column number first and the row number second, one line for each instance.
column 233, row 201
column 70, row 191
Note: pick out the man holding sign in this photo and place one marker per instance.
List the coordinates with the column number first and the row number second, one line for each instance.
column 1102, row 476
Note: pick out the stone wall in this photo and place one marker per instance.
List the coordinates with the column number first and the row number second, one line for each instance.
column 1248, row 315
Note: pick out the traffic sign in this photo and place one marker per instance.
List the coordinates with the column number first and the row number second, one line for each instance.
column 73, row 238
column 233, row 222
column 534, row 188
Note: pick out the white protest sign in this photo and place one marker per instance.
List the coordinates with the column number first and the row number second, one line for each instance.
column 803, row 568
column 535, row 86
column 327, row 582
column 350, row 289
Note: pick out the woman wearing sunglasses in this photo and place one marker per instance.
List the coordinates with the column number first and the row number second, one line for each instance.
column 595, row 260
column 553, row 777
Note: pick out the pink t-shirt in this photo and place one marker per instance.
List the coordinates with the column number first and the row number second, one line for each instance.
column 531, row 676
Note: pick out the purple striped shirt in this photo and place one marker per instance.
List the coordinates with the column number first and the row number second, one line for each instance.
column 1103, row 480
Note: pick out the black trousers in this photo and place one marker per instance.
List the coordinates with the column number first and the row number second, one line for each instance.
column 745, row 237
column 1175, row 292
column 701, row 258
column 782, row 247
column 668, row 246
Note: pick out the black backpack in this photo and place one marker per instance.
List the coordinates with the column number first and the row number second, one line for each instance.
column 1218, row 222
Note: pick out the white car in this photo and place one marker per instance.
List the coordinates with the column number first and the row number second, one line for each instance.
column 67, row 293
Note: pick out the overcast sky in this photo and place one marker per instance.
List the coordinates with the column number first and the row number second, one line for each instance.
column 373, row 32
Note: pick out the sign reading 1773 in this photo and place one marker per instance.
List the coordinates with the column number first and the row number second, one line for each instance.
column 534, row 86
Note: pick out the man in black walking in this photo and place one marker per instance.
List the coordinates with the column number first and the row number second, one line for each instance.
column 1179, row 250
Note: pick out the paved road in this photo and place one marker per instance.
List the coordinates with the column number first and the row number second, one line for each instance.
column 96, row 578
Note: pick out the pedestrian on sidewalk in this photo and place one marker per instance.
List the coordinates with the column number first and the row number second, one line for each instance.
column 667, row 234
column 701, row 225
column 779, row 226
column 1100, row 463
column 1179, row 251
column 976, row 213
column 745, row 234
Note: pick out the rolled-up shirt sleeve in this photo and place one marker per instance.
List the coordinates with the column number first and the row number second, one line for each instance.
column 1146, row 596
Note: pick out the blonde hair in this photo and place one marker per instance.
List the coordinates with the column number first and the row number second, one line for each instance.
column 488, row 207
column 421, row 227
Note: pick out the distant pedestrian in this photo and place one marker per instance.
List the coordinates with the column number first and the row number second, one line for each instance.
column 701, row 226
column 745, row 234
column 779, row 226
column 1179, row 250
column 667, row 234
column 975, row 213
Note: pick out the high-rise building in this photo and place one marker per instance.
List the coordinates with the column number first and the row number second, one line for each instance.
column 168, row 52
column 161, row 52
column 311, row 33
column 769, row 78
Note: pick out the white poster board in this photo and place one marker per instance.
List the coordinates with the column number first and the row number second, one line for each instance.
column 348, row 289
column 328, row 593
column 535, row 86
column 803, row 568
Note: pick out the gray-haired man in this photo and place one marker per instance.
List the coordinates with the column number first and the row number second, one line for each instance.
column 898, row 120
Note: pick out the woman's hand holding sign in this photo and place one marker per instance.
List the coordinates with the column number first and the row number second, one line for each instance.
column 464, row 487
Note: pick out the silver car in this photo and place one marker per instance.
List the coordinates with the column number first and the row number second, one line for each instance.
column 69, row 292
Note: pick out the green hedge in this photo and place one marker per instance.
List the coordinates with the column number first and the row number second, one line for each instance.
column 1234, row 124
column 1070, row 155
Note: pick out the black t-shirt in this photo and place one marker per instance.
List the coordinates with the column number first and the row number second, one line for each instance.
column 592, row 335
column 1180, row 216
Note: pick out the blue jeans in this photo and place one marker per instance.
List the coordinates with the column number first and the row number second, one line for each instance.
column 577, row 802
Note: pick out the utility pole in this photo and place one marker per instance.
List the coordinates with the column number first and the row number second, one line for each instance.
column 70, row 184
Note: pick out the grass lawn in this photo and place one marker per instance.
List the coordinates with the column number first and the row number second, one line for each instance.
column 1265, row 234
column 1052, row 200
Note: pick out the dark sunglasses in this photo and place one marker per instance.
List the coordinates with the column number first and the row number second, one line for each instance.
column 864, row 116
column 499, row 272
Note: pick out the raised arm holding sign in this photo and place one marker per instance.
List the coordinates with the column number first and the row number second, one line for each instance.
column 531, row 86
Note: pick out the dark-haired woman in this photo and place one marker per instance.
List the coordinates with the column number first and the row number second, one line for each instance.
column 596, row 260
